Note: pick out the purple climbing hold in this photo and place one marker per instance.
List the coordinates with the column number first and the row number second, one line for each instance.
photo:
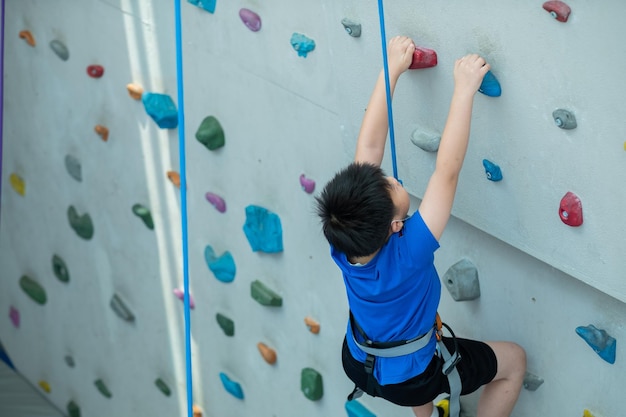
column 217, row 201
column 181, row 296
column 250, row 19
column 14, row 315
column 308, row 185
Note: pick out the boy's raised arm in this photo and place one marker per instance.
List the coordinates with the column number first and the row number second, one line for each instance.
column 370, row 146
column 437, row 202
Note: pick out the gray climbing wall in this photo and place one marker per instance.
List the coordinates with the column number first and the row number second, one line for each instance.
column 284, row 115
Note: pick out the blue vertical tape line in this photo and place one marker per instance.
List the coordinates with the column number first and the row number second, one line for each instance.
column 183, row 205
column 1, row 89
column 383, row 38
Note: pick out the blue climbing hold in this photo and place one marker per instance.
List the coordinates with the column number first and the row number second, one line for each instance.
column 223, row 267
column 493, row 171
column 231, row 386
column 600, row 341
column 356, row 409
column 208, row 5
column 302, row 44
column 263, row 230
column 490, row 85
column 162, row 109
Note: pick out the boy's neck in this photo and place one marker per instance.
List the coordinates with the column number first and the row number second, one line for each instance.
column 362, row 259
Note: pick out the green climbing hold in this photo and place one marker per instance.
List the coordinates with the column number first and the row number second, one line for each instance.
column 227, row 325
column 265, row 296
column 60, row 268
column 144, row 214
column 311, row 384
column 73, row 410
column 119, row 306
column 104, row 390
column 33, row 289
column 162, row 386
column 82, row 225
column 210, row 133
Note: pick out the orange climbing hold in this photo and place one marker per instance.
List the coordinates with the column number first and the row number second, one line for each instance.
column 174, row 177
column 267, row 352
column 197, row 411
column 314, row 326
column 102, row 131
column 135, row 91
column 28, row 37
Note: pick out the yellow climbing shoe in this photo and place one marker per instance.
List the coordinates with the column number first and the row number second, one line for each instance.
column 444, row 406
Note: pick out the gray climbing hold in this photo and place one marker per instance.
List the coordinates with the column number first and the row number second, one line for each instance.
column 461, row 280
column 120, row 308
column 69, row 361
column 60, row 49
column 426, row 140
column 532, row 382
column 72, row 164
column 352, row 28
column 564, row 119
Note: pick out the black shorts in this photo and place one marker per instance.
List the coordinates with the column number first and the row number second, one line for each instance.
column 478, row 366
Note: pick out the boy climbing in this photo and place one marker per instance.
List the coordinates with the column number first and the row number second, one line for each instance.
column 386, row 258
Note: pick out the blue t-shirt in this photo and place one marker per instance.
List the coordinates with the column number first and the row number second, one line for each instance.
column 395, row 297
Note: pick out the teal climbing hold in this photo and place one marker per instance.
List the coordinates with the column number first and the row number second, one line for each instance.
column 492, row 171
column 263, row 230
column 461, row 280
column 356, row 409
column 490, row 85
column 231, row 386
column 226, row 324
column 33, row 289
column 208, row 5
column 162, row 109
column 264, row 295
column 82, row 225
column 144, row 214
column 223, row 267
column 73, row 167
column 210, row 133
column 311, row 384
column 121, row 309
column 600, row 341
column 60, row 269
column 163, row 387
column 73, row 410
column 104, row 390
column 302, row 44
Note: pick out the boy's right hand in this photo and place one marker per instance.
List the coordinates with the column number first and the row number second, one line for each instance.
column 400, row 54
column 469, row 72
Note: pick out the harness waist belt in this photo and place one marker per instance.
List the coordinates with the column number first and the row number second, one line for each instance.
column 404, row 348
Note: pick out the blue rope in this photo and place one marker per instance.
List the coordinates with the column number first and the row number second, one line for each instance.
column 183, row 205
column 1, row 88
column 392, row 139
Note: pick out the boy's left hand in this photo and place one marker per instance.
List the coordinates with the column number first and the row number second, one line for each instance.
column 400, row 54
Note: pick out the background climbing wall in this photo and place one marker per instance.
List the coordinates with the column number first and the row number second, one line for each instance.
column 285, row 115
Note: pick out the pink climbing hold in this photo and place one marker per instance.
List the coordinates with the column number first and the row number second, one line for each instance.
column 95, row 71
column 14, row 315
column 423, row 58
column 217, row 201
column 308, row 185
column 559, row 10
column 250, row 19
column 571, row 210
column 181, row 296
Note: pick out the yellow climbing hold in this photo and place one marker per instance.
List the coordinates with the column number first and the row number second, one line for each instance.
column 44, row 386
column 587, row 413
column 17, row 183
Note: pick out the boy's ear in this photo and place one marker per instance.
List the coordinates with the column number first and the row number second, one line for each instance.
column 396, row 226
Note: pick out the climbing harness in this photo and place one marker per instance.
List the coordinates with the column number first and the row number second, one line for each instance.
column 183, row 205
column 405, row 347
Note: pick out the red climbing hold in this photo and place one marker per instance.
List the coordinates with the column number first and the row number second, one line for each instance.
column 571, row 210
column 423, row 58
column 95, row 71
column 559, row 10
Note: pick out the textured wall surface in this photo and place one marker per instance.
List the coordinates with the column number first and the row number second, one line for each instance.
column 285, row 115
